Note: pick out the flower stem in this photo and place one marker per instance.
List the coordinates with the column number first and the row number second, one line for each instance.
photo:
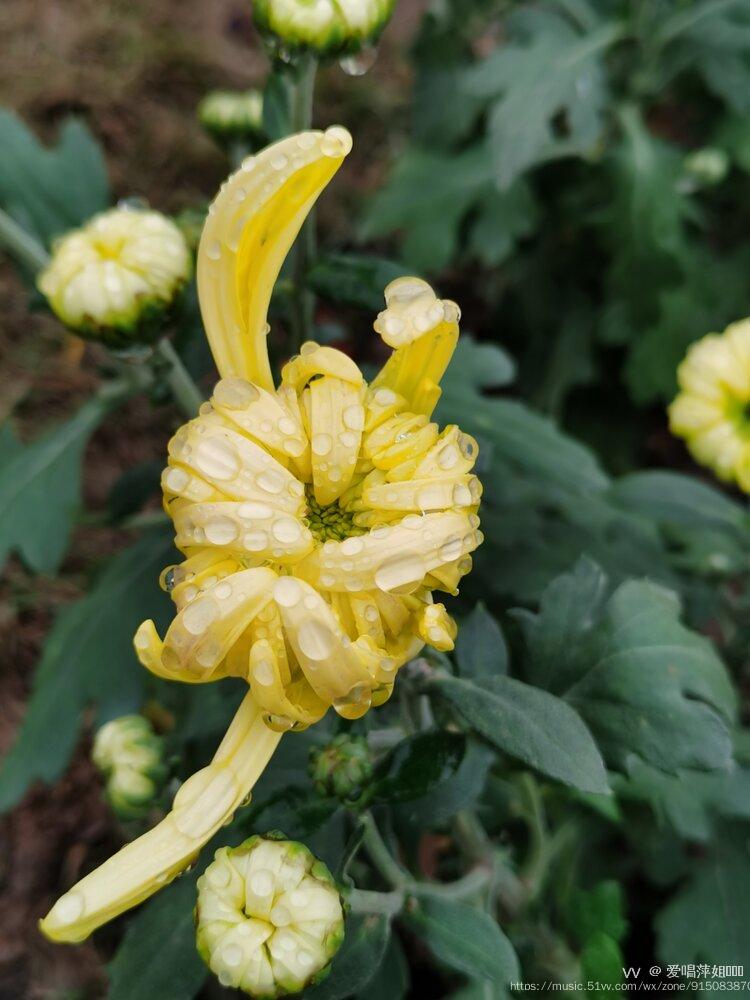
column 303, row 300
column 186, row 393
column 21, row 245
column 380, row 856
column 364, row 901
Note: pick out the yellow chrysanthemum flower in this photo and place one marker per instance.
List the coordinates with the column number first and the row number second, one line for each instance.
column 269, row 917
column 115, row 278
column 316, row 517
column 712, row 411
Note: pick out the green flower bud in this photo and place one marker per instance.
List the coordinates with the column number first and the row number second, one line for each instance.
column 131, row 757
column 342, row 767
column 269, row 917
column 327, row 27
column 232, row 116
column 116, row 279
column 706, row 167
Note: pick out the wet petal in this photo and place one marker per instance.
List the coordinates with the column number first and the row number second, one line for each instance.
column 249, row 229
column 336, row 422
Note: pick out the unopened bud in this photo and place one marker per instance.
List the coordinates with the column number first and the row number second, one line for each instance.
column 269, row 917
column 231, row 116
column 327, row 27
column 131, row 757
column 115, row 279
column 706, row 167
column 342, row 767
column 436, row 627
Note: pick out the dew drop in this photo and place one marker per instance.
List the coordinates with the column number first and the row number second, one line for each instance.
column 385, row 397
column 304, row 958
column 400, row 571
column 254, row 511
column 218, row 876
column 450, row 550
column 279, row 161
column 462, row 495
column 271, row 481
column 213, row 250
column 197, row 616
column 354, row 417
column 261, row 883
column 447, row 457
column 321, row 444
column 223, row 591
column 316, row 641
column 217, row 459
column 70, row 907
column 176, row 480
column 286, row 530
column 221, row 530
column 264, row 673
column 355, row 703
column 255, row 541
column 232, row 955
column 235, row 393
column 351, row 546
column 287, row 426
column 287, row 592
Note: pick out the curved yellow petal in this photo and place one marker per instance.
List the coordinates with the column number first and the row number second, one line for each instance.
column 424, row 331
column 250, row 227
column 203, row 803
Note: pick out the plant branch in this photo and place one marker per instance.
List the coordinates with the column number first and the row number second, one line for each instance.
column 380, row 856
column 186, row 393
column 364, row 901
column 21, row 244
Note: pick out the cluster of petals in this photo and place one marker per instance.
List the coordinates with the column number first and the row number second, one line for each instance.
column 269, row 917
column 712, row 410
column 317, row 517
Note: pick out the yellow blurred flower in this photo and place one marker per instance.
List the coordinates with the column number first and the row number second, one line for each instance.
column 326, row 27
column 712, row 410
column 114, row 279
column 316, row 517
column 231, row 115
column 269, row 917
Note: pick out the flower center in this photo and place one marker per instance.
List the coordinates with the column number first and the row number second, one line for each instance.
column 331, row 521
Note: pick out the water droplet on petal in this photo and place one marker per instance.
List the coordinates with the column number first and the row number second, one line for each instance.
column 399, row 571
column 271, row 481
column 355, row 703
column 221, row 530
column 321, row 444
column 354, row 417
column 70, row 907
column 217, row 458
column 199, row 615
column 287, row 592
column 213, row 250
column 316, row 641
column 264, row 673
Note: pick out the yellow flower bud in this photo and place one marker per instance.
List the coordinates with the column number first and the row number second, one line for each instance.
column 712, row 410
column 130, row 756
column 116, row 278
column 269, row 917
column 231, row 116
column 327, row 27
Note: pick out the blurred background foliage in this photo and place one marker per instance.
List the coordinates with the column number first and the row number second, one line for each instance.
column 575, row 174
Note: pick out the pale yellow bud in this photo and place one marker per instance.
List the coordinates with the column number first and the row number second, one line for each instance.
column 269, row 917
column 131, row 757
column 114, row 279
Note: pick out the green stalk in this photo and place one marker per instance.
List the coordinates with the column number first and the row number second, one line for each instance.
column 186, row 393
column 305, row 247
column 21, row 244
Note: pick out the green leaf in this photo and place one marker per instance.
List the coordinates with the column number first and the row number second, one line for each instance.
column 481, row 650
column 478, row 366
column 359, row 959
column 547, row 90
column 601, row 909
column 416, row 766
column 88, row 657
column 429, row 195
column 353, row 279
column 677, row 499
column 464, row 938
column 602, row 961
column 460, row 791
column 157, row 957
column 392, row 979
column 50, row 190
column 709, row 918
column 40, row 490
column 644, row 683
column 529, row 725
